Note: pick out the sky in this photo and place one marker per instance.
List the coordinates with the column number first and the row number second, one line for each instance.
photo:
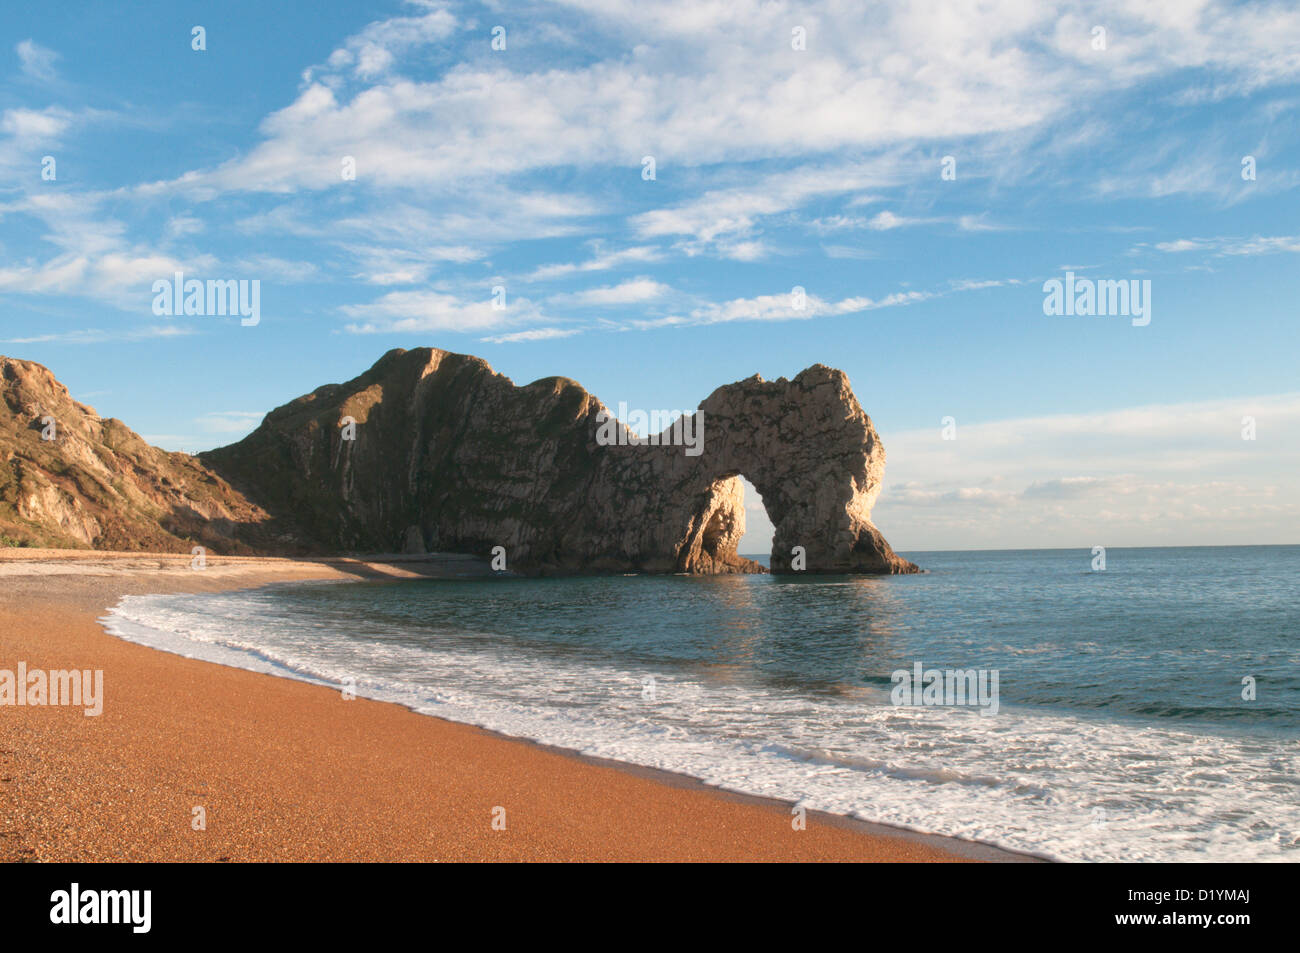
column 658, row 199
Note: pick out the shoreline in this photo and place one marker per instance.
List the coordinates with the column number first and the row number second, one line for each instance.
column 560, row 804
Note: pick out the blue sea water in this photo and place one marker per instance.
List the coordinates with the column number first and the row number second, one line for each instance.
column 1121, row 731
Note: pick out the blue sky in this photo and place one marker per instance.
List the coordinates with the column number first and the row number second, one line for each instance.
column 775, row 168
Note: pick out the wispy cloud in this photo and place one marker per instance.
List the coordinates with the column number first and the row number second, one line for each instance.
column 374, row 51
column 1229, row 246
column 632, row 291
column 105, row 335
column 406, row 311
column 36, row 61
column 535, row 334
column 602, row 260
column 722, row 218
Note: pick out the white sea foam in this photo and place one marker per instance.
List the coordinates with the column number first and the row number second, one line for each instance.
column 1045, row 783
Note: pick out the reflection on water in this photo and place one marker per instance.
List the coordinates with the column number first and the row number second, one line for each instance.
column 833, row 634
column 1160, row 633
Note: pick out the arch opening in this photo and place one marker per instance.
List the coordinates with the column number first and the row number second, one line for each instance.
column 730, row 529
column 756, row 541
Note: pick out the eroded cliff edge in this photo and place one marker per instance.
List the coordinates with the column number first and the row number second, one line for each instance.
column 447, row 455
column 72, row 479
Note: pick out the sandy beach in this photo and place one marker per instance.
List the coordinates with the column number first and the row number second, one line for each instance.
column 285, row 770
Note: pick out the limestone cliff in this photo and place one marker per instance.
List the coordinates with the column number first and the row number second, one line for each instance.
column 433, row 451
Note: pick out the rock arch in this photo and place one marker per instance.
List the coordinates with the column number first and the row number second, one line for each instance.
column 813, row 455
column 450, row 456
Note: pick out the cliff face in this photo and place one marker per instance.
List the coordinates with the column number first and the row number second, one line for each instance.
column 95, row 484
column 433, row 451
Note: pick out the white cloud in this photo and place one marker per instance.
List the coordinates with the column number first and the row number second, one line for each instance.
column 1226, row 246
column 536, row 334
column 94, row 258
column 35, row 127
column 872, row 78
column 375, row 50
column 884, row 221
column 27, row 135
column 442, row 136
column 601, row 260
column 386, row 265
column 789, row 307
column 785, row 307
column 848, row 251
column 633, row 291
column 979, row 223
column 121, row 279
column 1182, row 244
column 179, row 226
column 721, row 214
column 407, row 311
column 36, row 61
column 887, row 221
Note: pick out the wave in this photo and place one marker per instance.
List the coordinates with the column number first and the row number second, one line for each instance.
column 1052, row 784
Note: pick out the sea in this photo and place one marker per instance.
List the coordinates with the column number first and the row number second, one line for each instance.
column 1144, row 711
